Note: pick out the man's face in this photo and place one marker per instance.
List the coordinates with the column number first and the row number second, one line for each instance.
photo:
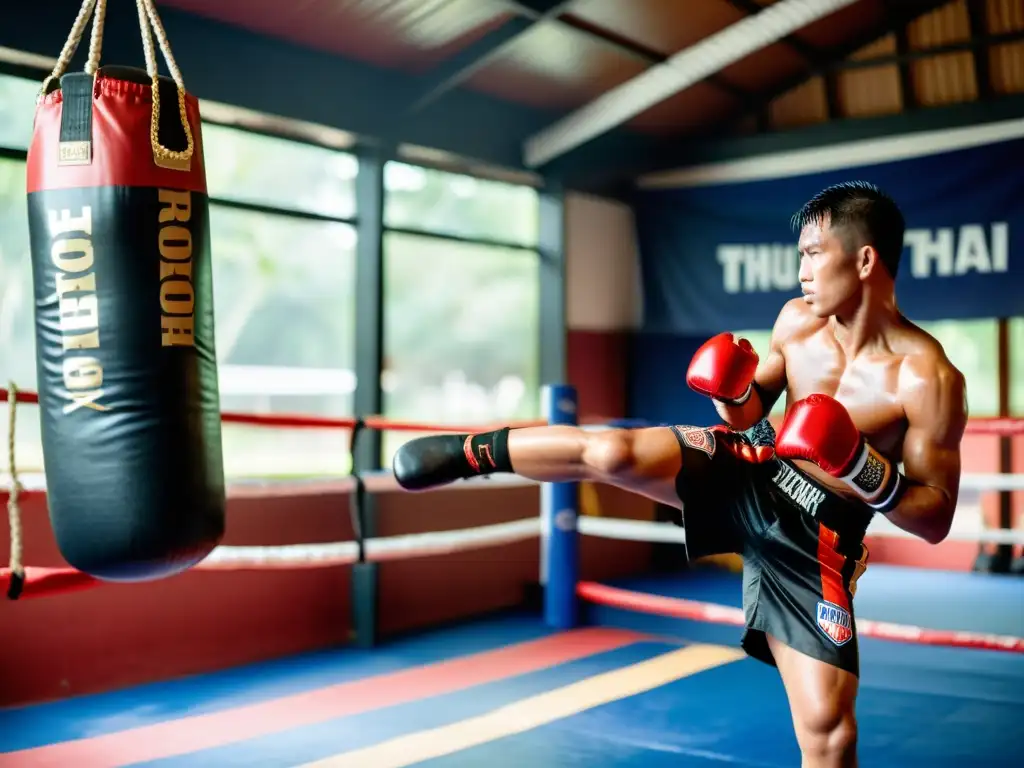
column 829, row 277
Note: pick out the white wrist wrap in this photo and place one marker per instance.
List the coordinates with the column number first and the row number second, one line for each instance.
column 875, row 479
column 741, row 399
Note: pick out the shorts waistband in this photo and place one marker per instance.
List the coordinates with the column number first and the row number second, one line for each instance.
column 847, row 518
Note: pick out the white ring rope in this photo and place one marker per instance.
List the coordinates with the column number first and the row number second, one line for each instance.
column 630, row 530
column 981, row 482
column 467, row 539
column 377, row 549
column 643, row 530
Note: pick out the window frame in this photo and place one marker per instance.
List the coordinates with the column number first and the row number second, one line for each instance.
column 536, row 250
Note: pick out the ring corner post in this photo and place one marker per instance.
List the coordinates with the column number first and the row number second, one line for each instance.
column 559, row 513
column 368, row 396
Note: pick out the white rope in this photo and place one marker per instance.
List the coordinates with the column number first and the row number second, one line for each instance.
column 992, row 482
column 377, row 549
column 642, row 530
column 630, row 530
column 468, row 539
column 14, row 487
column 71, row 43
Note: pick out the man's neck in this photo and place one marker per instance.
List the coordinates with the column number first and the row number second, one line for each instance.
column 864, row 324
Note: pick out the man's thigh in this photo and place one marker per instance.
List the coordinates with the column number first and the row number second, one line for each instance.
column 713, row 486
column 822, row 697
column 798, row 589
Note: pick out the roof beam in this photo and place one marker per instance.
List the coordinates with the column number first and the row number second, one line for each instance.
column 467, row 62
column 706, row 144
column 902, row 14
column 678, row 73
column 916, row 54
column 977, row 14
column 810, row 53
column 645, row 54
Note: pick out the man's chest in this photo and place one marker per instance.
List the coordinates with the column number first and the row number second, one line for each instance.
column 867, row 386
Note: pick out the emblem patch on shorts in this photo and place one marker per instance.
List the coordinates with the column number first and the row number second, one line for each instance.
column 699, row 438
column 835, row 622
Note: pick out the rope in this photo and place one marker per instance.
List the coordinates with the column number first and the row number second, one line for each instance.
column 149, row 23
column 696, row 610
column 13, row 511
column 71, row 44
column 96, row 40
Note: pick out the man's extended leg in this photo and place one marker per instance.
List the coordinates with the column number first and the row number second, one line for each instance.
column 821, row 699
column 645, row 461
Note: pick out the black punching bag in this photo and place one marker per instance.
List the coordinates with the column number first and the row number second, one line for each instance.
column 130, row 411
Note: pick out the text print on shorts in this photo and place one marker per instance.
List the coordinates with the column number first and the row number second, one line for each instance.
column 834, row 622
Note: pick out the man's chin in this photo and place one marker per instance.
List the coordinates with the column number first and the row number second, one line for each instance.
column 816, row 307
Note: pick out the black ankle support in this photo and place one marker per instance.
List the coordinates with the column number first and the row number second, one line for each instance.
column 488, row 452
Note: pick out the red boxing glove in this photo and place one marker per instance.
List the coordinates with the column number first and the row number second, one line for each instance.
column 819, row 429
column 723, row 369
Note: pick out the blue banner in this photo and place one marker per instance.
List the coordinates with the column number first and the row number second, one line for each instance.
column 722, row 256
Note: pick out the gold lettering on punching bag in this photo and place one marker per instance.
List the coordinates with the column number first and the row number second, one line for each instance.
column 177, row 294
column 77, row 307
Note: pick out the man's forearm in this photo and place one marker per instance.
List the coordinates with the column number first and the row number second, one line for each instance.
column 743, row 416
column 924, row 511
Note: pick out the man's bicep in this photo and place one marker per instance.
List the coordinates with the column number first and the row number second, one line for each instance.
column 931, row 460
column 936, row 420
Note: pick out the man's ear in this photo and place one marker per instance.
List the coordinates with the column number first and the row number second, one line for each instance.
column 867, row 258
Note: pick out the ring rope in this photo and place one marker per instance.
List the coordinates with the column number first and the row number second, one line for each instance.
column 680, row 608
column 997, row 426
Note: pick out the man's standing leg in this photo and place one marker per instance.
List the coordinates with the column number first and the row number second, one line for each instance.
column 822, row 700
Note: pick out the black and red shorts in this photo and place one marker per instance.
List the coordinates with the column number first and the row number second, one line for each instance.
column 802, row 545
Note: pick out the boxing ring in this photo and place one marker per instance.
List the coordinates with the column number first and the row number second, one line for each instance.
column 638, row 671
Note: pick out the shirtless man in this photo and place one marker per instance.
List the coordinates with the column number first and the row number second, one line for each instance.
column 866, row 391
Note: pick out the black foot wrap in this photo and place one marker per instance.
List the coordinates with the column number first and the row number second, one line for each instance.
column 440, row 459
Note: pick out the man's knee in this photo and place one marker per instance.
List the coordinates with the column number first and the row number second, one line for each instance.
column 829, row 728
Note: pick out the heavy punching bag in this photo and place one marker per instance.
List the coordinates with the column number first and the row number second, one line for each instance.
column 129, row 405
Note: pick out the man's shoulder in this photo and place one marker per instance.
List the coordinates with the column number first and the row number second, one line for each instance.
column 796, row 320
column 926, row 364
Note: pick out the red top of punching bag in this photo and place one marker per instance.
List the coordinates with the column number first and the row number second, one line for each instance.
column 121, row 151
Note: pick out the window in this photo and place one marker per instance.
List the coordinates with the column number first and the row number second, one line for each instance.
column 285, row 320
column 971, row 345
column 278, row 173
column 461, row 338
column 17, row 320
column 1016, row 366
column 444, row 203
column 17, row 111
column 284, row 276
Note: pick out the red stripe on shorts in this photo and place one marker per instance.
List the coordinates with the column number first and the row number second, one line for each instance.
column 830, row 564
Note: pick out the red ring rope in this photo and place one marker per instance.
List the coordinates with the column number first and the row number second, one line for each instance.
column 679, row 608
column 984, row 426
column 303, row 421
